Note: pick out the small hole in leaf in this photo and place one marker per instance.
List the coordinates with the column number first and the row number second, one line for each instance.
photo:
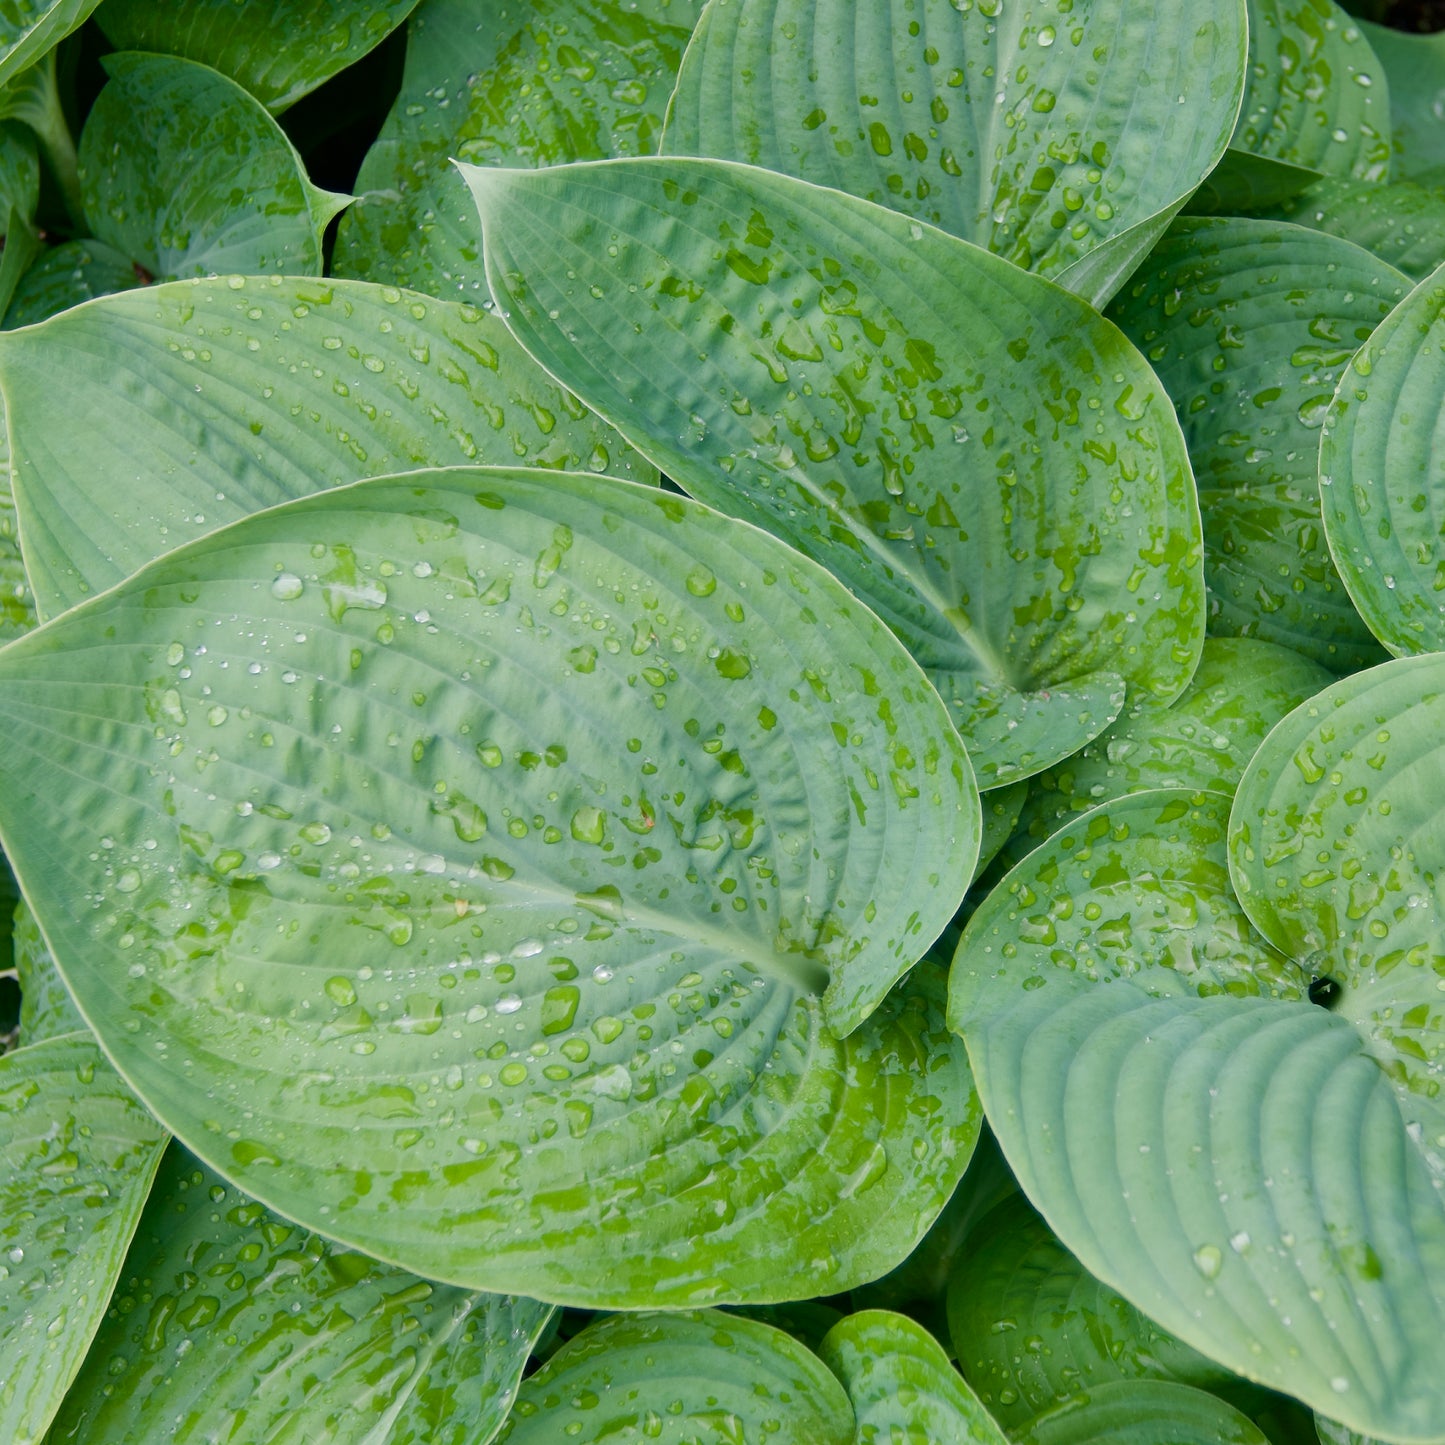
column 1325, row 991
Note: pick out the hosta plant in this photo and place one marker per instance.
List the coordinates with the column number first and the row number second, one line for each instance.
column 720, row 723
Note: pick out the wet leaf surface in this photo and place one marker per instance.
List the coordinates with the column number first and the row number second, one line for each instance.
column 503, row 1001
column 969, row 448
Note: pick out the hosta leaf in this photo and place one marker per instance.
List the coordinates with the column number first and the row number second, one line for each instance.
column 66, row 275
column 511, row 894
column 1402, row 223
column 679, row 1378
column 972, row 450
column 507, row 83
column 1034, row 1330
column 1336, row 848
column 902, row 1385
column 1246, row 182
column 1201, row 741
column 231, row 1324
column 279, row 50
column 1226, row 1155
column 1383, row 477
column 185, row 173
column 1144, row 1412
column 28, row 28
column 1317, row 94
column 1040, row 132
column 19, row 170
column 46, row 1008
column 78, row 1154
column 1415, row 66
column 1249, row 325
column 208, row 400
column 33, row 97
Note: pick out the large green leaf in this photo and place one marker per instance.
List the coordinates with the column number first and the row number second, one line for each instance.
column 971, row 449
column 1402, row 223
column 902, row 1385
column 512, row 82
column 1034, row 1330
column 694, row 1378
column 231, row 1324
column 1249, row 325
column 1317, row 94
column 29, row 28
column 1201, row 741
column 77, row 1155
column 185, row 173
column 1337, row 849
column 1382, row 469
column 1040, row 132
column 66, row 275
column 1144, row 1412
column 491, row 863
column 1415, row 66
column 279, row 50
column 208, row 400
column 1229, row 1157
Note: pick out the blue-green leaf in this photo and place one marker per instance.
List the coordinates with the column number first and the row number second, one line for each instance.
column 1041, row 133
column 695, row 1376
column 1233, row 1159
column 185, row 173
column 968, row 447
column 208, row 400
column 1250, row 325
column 77, row 1155
column 519, row 865
column 1382, row 475
column 902, row 1385
column 278, row 50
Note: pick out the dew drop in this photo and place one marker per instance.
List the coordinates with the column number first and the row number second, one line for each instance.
column 1208, row 1260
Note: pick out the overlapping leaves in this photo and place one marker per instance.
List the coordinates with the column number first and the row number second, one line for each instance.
column 1022, row 128
column 79, row 1154
column 275, row 49
column 1202, row 741
column 1249, row 325
column 1280, row 1162
column 535, row 83
column 210, row 400
column 521, row 874
column 230, row 1322
column 1383, row 491
column 183, row 172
